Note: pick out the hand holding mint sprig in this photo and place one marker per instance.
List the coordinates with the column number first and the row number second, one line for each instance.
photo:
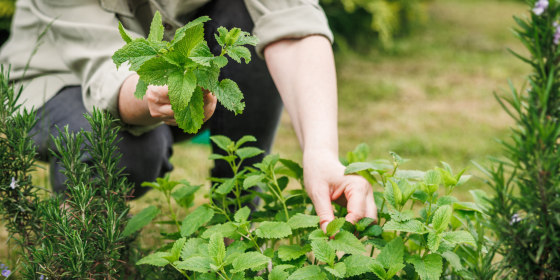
column 187, row 66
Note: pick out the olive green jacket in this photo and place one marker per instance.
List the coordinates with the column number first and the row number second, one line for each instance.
column 80, row 37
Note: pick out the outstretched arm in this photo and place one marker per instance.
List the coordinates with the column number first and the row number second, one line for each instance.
column 304, row 72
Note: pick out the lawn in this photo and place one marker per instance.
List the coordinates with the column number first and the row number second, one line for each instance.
column 429, row 97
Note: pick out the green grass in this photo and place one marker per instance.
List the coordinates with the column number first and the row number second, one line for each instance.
column 429, row 98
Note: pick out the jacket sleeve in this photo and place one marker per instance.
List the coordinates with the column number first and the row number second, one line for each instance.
column 275, row 20
column 86, row 37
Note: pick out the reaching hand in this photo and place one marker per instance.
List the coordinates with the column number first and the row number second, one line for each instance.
column 160, row 107
column 325, row 182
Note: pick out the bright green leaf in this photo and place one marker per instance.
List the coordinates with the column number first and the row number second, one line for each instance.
column 457, row 237
column 311, row 272
column 198, row 264
column 155, row 259
column 300, row 220
column 273, row 230
column 250, row 260
column 195, row 220
column 412, row 226
column 230, row 96
column 348, row 243
column 217, row 248
column 334, row 226
column 248, row 152
column 242, row 214
column 323, row 251
column 429, row 267
column 292, row 252
column 358, row 265
column 441, row 218
column 339, row 270
column 392, row 253
column 139, row 220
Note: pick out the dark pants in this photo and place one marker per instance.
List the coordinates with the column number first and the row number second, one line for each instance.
column 146, row 157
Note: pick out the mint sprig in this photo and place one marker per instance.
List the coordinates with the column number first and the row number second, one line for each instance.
column 187, row 66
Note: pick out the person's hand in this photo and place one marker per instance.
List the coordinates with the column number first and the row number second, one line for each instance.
column 325, row 182
column 160, row 107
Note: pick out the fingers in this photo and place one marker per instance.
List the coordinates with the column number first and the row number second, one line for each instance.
column 159, row 105
column 360, row 202
column 322, row 202
column 210, row 102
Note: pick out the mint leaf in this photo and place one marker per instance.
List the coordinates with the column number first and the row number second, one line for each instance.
column 413, row 226
column 217, row 248
column 434, row 239
column 248, row 152
column 192, row 118
column 181, row 88
column 441, row 218
column 308, row 272
column 339, row 270
column 250, row 260
column 278, row 273
column 239, row 52
column 155, row 259
column 192, row 248
column 193, row 37
column 136, row 52
column 156, row 29
column 227, row 230
column 229, row 95
column 123, row 33
column 223, row 142
column 271, row 230
column 175, row 252
column 242, row 214
column 429, row 267
column 141, row 88
column 139, row 220
column 156, row 71
column 198, row 264
column 348, row 243
column 456, row 237
column 292, row 252
column 392, row 253
column 196, row 219
column 323, row 251
column 334, row 226
column 202, row 55
column 358, row 265
column 300, row 220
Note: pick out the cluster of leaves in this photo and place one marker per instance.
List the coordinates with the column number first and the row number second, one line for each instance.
column 526, row 207
column 281, row 239
column 384, row 19
column 187, row 66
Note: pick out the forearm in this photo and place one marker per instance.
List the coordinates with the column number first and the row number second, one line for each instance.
column 304, row 73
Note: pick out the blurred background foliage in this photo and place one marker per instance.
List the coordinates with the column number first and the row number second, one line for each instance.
column 7, row 8
column 356, row 22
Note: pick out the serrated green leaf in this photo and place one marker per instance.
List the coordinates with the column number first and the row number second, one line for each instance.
column 242, row 214
column 202, row 55
column 323, row 251
column 278, row 274
column 413, row 226
column 434, row 239
column 363, row 223
column 348, row 243
column 358, row 265
column 184, row 195
column 232, row 35
column 175, row 252
column 457, row 237
column 139, row 220
column 192, row 118
column 251, row 181
column 292, row 252
column 374, row 230
column 294, row 167
column 429, row 267
column 141, row 88
column 156, row 29
column 441, row 218
column 245, row 139
column 207, row 77
column 222, row 142
column 339, row 270
column 239, row 52
column 334, row 226
column 227, row 230
column 397, row 194
column 250, row 260
column 181, row 88
column 392, row 271
column 220, row 61
column 311, row 272
column 317, row 234
column 273, row 230
column 467, row 206
column 248, row 152
column 246, row 39
column 377, row 268
column 392, row 253
column 221, row 36
column 356, row 167
column 300, row 220
column 226, row 186
column 123, row 33
column 181, row 31
column 156, row 71
column 155, row 259
column 217, row 248
column 136, row 53
column 195, row 220
column 191, row 248
column 198, row 264
column 230, row 96
column 193, row 39
column 454, row 260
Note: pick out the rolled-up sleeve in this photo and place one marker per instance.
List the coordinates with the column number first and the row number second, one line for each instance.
column 86, row 37
column 275, row 20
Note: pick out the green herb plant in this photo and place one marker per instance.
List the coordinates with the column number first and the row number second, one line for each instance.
column 420, row 233
column 187, row 66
